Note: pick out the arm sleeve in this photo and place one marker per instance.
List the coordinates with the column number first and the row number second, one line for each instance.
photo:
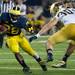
column 21, row 22
column 59, row 15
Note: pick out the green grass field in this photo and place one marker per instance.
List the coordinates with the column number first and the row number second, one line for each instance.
column 9, row 65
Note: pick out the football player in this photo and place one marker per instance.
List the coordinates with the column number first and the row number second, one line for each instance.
column 66, row 16
column 14, row 22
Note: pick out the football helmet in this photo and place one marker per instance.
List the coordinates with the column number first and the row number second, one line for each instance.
column 55, row 7
column 14, row 13
column 15, row 10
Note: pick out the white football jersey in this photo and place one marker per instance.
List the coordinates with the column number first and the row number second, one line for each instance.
column 66, row 16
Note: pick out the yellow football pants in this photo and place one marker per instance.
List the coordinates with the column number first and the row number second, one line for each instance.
column 15, row 42
column 65, row 33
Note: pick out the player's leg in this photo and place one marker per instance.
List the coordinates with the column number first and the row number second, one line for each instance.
column 69, row 34
column 63, row 63
column 26, row 46
column 56, row 38
column 12, row 43
column 71, row 47
column 69, row 51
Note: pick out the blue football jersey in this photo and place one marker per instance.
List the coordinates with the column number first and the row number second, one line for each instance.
column 14, row 27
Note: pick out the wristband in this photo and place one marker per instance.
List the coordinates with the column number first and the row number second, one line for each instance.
column 37, row 35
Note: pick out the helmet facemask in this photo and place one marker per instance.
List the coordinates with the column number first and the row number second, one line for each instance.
column 14, row 17
column 14, row 13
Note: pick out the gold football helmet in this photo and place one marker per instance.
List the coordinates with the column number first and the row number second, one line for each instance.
column 55, row 7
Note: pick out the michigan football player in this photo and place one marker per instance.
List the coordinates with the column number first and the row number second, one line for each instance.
column 14, row 22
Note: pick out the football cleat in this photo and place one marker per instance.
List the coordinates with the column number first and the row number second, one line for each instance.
column 43, row 65
column 27, row 70
column 61, row 64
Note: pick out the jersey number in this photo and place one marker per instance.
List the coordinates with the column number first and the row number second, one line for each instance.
column 12, row 29
column 66, row 12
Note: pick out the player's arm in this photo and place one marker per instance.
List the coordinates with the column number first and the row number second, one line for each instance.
column 3, row 29
column 48, row 26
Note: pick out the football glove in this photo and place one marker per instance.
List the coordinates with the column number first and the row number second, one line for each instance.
column 32, row 38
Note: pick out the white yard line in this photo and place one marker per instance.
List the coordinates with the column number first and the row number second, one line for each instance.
column 39, row 41
column 6, row 53
column 57, row 54
column 17, row 68
column 42, row 36
column 29, row 59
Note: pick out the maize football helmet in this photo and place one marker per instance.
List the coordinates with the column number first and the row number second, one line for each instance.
column 14, row 13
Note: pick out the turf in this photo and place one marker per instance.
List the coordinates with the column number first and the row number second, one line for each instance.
column 9, row 65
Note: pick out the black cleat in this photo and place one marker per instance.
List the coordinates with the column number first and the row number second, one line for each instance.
column 61, row 64
column 43, row 65
column 27, row 70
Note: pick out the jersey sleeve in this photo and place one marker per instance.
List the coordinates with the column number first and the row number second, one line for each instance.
column 3, row 17
column 21, row 22
column 24, row 22
column 59, row 14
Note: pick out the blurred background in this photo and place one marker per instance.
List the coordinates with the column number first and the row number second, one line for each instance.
column 38, row 14
column 36, row 11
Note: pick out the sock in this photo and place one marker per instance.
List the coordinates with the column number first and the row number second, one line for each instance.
column 50, row 55
column 37, row 58
column 21, row 60
column 49, row 52
column 41, row 63
column 65, row 57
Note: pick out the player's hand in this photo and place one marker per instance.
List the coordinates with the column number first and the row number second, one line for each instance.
column 3, row 29
column 32, row 38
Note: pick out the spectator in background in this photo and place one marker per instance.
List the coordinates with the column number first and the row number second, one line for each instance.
column 21, row 5
column 5, row 6
column 39, row 23
column 46, row 10
column 31, row 20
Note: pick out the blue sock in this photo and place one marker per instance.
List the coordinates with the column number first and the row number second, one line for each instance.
column 50, row 55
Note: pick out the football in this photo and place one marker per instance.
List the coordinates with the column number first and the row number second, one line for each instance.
column 2, row 28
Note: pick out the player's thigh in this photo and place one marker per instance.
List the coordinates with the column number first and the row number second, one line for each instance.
column 58, row 37
column 27, row 47
column 13, row 44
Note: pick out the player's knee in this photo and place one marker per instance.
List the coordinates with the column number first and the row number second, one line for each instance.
column 50, row 41
column 14, row 50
